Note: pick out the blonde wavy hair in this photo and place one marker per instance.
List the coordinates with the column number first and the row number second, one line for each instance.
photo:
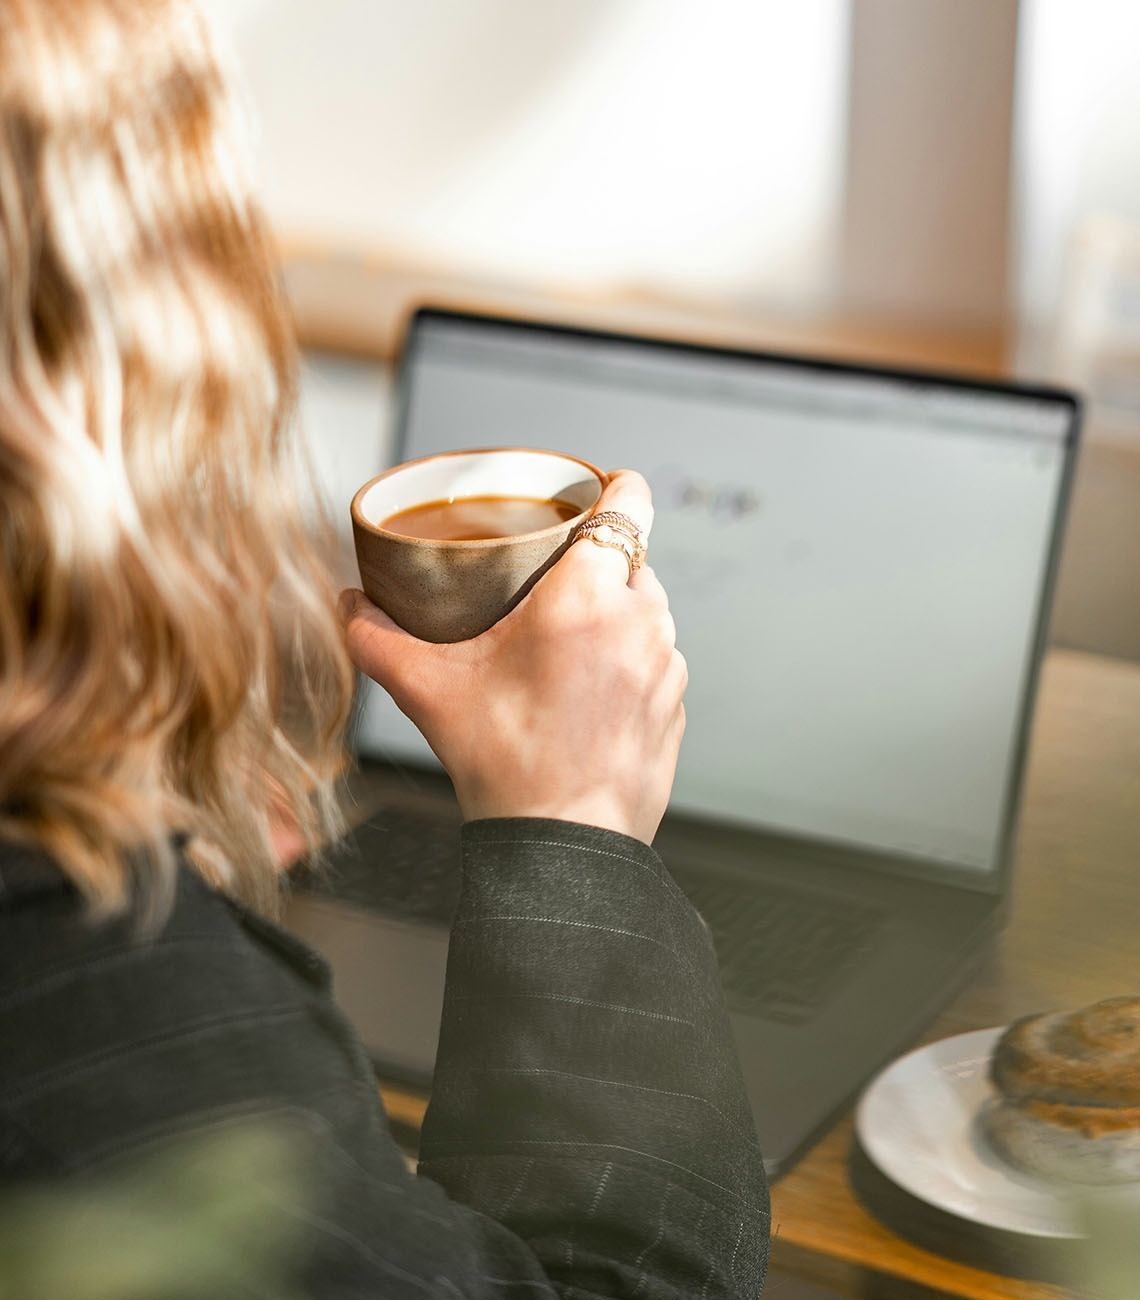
column 171, row 664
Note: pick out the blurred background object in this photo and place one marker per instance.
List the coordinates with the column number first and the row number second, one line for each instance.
column 220, row 1212
column 582, row 143
column 1077, row 160
column 1111, row 1251
column 949, row 183
column 1095, row 342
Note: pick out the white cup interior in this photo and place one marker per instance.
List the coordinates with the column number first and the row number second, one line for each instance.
column 520, row 473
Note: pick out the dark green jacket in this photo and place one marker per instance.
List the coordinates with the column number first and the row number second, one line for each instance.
column 588, row 1133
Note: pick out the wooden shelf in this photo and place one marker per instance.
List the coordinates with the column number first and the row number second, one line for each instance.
column 357, row 302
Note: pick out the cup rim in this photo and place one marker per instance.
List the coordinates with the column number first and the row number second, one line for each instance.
column 368, row 526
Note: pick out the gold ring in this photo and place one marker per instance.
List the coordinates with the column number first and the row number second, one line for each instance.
column 613, row 529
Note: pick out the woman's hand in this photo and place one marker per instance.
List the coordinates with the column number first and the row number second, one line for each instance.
column 570, row 707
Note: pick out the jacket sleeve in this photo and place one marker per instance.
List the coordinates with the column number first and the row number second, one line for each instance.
column 587, row 1094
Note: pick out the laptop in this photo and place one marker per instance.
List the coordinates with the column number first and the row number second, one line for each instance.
column 859, row 563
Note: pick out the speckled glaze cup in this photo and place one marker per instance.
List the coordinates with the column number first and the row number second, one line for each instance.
column 442, row 590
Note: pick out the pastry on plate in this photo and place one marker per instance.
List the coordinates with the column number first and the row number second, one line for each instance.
column 1068, row 1094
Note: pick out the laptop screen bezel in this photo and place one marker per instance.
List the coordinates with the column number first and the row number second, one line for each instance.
column 992, row 881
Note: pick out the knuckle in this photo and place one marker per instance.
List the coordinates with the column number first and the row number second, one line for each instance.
column 559, row 611
column 682, row 669
column 584, row 569
column 627, row 478
column 628, row 491
column 558, row 601
column 669, row 629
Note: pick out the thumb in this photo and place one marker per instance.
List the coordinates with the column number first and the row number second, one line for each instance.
column 378, row 646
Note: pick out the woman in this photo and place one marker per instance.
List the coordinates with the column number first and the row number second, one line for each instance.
column 173, row 689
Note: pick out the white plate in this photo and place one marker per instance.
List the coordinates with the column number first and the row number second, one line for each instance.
column 918, row 1123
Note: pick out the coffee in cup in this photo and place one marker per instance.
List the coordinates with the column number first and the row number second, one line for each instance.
column 449, row 544
column 478, row 519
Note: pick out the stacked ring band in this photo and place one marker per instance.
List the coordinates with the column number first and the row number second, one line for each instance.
column 613, row 529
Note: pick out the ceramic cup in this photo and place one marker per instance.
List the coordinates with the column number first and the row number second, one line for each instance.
column 443, row 590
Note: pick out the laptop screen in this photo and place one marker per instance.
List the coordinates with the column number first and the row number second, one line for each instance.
column 856, row 563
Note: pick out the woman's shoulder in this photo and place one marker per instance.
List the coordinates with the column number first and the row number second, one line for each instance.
column 112, row 1028
column 48, row 934
column 27, row 873
column 39, row 902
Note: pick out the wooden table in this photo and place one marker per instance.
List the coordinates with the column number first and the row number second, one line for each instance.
column 1073, row 937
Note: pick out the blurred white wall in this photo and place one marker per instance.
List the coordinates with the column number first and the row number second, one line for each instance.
column 927, row 214
column 1077, row 144
column 663, row 144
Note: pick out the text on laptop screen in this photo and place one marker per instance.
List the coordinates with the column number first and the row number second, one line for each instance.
column 854, row 562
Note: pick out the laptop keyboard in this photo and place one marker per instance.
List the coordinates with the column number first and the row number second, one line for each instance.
column 402, row 862
column 782, row 952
